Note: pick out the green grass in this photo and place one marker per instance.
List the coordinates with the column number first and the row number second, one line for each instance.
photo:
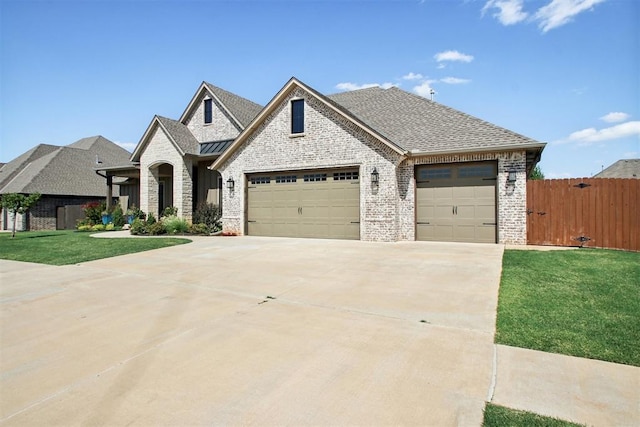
column 499, row 416
column 71, row 247
column 579, row 302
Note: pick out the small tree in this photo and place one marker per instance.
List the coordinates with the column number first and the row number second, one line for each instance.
column 18, row 204
column 536, row 173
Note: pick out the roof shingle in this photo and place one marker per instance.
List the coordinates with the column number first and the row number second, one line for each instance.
column 242, row 109
column 625, row 168
column 181, row 135
column 65, row 170
column 418, row 124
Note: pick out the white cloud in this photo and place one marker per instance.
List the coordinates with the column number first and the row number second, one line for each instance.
column 615, row 117
column 424, row 89
column 560, row 12
column 452, row 55
column 509, row 11
column 630, row 155
column 454, row 80
column 412, row 76
column 591, row 135
column 347, row 86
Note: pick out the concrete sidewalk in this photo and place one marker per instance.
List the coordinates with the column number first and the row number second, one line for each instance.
column 584, row 391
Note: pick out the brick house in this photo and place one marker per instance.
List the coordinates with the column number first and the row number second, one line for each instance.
column 64, row 176
column 372, row 164
column 172, row 158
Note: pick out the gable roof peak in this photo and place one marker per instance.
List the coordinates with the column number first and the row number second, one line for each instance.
column 240, row 110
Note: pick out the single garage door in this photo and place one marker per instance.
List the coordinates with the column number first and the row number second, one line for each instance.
column 323, row 204
column 456, row 202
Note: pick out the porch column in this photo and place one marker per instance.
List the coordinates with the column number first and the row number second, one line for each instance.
column 109, row 191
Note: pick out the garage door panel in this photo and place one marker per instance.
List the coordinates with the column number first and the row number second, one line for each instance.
column 443, row 232
column 456, row 202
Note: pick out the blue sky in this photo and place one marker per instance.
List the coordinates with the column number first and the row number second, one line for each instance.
column 565, row 72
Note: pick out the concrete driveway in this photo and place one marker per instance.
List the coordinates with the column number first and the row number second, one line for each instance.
column 252, row 331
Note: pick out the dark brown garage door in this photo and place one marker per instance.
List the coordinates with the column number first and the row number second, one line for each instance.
column 456, row 202
column 323, row 204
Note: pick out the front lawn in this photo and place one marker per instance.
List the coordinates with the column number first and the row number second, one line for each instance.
column 579, row 302
column 71, row 247
column 499, row 416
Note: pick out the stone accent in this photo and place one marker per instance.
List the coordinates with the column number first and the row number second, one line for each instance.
column 159, row 151
column 221, row 127
column 329, row 141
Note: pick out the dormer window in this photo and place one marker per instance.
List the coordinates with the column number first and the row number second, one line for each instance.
column 297, row 116
column 208, row 111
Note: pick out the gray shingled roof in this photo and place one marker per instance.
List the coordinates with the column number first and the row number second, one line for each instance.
column 181, row 135
column 65, row 170
column 9, row 170
column 625, row 168
column 242, row 109
column 418, row 124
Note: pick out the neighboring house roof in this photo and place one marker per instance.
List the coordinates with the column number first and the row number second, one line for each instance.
column 421, row 125
column 9, row 170
column 69, row 170
column 625, row 168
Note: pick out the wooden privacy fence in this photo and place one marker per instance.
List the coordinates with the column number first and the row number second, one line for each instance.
column 590, row 212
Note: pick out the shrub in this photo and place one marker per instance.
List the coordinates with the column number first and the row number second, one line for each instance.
column 175, row 225
column 151, row 219
column 84, row 227
column 98, row 227
column 199, row 229
column 110, row 227
column 118, row 217
column 93, row 212
column 156, row 228
column 138, row 227
column 170, row 211
column 136, row 213
column 208, row 214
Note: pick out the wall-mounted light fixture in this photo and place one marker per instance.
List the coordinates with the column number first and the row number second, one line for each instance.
column 511, row 177
column 230, row 184
column 375, row 176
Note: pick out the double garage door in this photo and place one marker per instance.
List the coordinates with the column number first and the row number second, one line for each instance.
column 323, row 204
column 456, row 202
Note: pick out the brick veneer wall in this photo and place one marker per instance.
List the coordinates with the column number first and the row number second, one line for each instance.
column 329, row 141
column 387, row 212
column 43, row 215
column 221, row 127
column 160, row 150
